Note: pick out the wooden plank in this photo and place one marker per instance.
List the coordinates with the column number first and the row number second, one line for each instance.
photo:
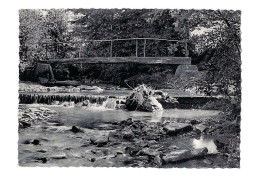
column 143, row 60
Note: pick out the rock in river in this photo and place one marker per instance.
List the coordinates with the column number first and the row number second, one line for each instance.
column 75, row 129
column 151, row 104
column 36, row 142
column 143, row 99
column 200, row 128
column 43, row 159
column 158, row 161
column 207, row 161
column 99, row 141
column 177, row 128
column 149, row 152
column 59, row 156
column 127, row 133
column 194, row 122
column 220, row 145
column 23, row 124
column 183, row 155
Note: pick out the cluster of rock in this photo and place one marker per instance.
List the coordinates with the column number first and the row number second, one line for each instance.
column 144, row 144
column 143, row 98
column 28, row 115
column 138, row 144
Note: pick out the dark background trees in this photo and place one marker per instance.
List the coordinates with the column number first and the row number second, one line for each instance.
column 213, row 40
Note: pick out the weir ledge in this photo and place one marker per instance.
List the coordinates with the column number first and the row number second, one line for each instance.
column 184, row 102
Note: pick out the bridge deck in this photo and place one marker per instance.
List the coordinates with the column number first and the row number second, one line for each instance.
column 143, row 60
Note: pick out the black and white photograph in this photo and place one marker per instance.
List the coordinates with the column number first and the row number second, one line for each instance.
column 152, row 88
column 129, row 87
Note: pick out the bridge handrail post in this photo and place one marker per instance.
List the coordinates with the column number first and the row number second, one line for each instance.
column 46, row 54
column 136, row 48
column 144, row 46
column 111, row 47
column 186, row 49
column 79, row 52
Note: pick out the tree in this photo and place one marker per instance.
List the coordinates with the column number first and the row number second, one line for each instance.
column 213, row 38
column 99, row 24
column 43, row 34
column 221, row 40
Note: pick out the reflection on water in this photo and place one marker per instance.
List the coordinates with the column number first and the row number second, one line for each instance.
column 159, row 116
column 201, row 143
column 83, row 116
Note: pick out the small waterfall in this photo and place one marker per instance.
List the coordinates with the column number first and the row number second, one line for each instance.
column 89, row 101
column 49, row 99
column 110, row 103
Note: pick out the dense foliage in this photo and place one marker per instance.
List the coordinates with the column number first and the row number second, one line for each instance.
column 213, row 41
column 43, row 35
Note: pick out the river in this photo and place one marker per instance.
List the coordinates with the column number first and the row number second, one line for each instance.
column 64, row 148
column 50, row 141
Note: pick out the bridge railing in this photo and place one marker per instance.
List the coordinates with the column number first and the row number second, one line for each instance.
column 112, row 41
column 136, row 44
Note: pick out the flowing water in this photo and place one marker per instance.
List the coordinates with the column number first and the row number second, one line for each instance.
column 81, row 116
column 64, row 148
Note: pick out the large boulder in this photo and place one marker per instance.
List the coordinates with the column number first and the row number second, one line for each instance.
column 137, row 97
column 151, row 104
column 142, row 98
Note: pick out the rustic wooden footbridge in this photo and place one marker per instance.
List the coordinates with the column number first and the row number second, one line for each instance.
column 136, row 57
column 183, row 63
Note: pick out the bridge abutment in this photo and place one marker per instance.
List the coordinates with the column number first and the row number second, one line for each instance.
column 44, row 73
column 187, row 71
